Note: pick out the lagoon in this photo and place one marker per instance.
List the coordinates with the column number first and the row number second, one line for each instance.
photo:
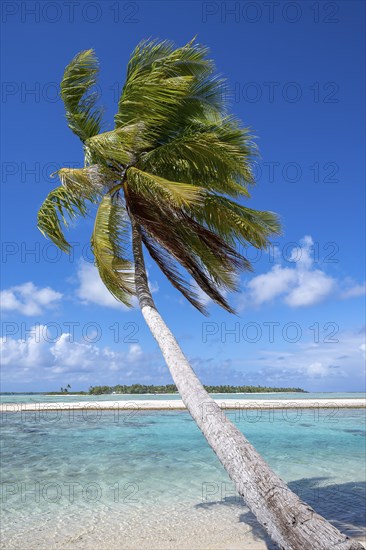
column 147, row 479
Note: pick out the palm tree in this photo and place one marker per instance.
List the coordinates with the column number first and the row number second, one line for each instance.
column 171, row 173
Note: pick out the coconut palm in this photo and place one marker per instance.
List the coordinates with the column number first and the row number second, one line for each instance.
column 171, row 175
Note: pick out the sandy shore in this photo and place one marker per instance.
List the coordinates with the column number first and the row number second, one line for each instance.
column 176, row 405
column 177, row 527
column 215, row 525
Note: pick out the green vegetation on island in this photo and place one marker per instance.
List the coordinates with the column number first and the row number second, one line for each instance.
column 171, row 388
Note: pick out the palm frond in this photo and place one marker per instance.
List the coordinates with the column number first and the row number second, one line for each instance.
column 89, row 182
column 167, row 87
column 82, row 115
column 219, row 259
column 234, row 222
column 180, row 161
column 169, row 267
column 145, row 54
column 207, row 258
column 217, row 157
column 117, row 147
column 61, row 205
column 159, row 190
column 190, row 59
column 109, row 241
column 153, row 101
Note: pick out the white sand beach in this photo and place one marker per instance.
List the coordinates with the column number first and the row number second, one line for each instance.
column 176, row 405
column 212, row 526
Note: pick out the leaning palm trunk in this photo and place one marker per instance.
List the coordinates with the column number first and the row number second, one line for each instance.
column 178, row 164
column 290, row 522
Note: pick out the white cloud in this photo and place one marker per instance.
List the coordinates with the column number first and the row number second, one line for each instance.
column 27, row 353
column 268, row 286
column 134, row 353
column 28, row 299
column 310, row 288
column 48, row 363
column 329, row 365
column 327, row 360
column 92, row 290
column 363, row 349
column 298, row 286
column 40, row 358
column 354, row 291
column 154, row 287
column 317, row 369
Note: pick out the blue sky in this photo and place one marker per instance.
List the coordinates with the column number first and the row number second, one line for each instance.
column 295, row 74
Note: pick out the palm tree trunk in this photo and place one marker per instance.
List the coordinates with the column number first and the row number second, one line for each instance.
column 291, row 523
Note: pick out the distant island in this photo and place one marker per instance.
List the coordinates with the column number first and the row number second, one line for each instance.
column 171, row 388
column 168, row 388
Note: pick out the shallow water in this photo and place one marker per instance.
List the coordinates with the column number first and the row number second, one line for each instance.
column 112, row 472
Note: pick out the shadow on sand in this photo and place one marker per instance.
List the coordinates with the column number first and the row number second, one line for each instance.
column 341, row 504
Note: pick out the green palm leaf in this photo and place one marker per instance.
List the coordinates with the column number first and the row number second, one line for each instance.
column 217, row 157
column 170, row 268
column 108, row 242
column 82, row 115
column 146, row 53
column 180, row 161
column 205, row 256
column 66, row 202
column 159, row 190
column 165, row 88
column 88, row 183
column 153, row 101
column 119, row 147
column 61, row 205
column 233, row 221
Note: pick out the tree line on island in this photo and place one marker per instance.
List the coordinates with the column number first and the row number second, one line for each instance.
column 171, row 388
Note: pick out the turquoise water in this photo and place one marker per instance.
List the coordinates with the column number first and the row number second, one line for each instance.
column 87, row 470
column 41, row 398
